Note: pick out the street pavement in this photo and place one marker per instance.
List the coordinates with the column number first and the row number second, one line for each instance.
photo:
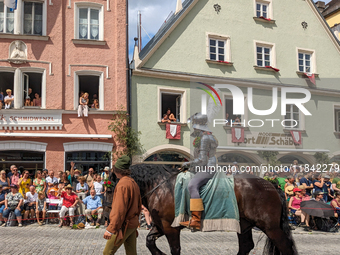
column 49, row 239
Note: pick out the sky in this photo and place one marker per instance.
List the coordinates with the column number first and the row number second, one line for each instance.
column 154, row 13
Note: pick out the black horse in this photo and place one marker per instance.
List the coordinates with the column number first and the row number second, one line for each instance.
column 260, row 204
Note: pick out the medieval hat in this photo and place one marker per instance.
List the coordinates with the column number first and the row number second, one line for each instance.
column 124, row 162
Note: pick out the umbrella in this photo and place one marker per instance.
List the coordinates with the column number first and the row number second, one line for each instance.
column 317, row 208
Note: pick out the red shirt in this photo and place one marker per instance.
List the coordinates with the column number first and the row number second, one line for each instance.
column 68, row 200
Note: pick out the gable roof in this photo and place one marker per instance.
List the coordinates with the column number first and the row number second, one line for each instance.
column 165, row 28
column 331, row 7
column 175, row 19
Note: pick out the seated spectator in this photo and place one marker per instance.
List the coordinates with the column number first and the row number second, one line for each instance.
column 51, row 180
column 24, row 183
column 165, row 119
column 98, row 187
column 41, row 207
column 170, row 115
column 9, row 100
column 289, row 186
column 28, row 102
column 70, row 201
column 30, row 200
column 53, row 195
column 82, row 185
column 4, row 181
column 2, row 202
column 307, row 183
column 83, row 108
column 318, row 196
column 93, row 206
column 237, row 121
column 95, row 104
column 304, row 196
column 294, row 207
column 37, row 100
column 39, row 182
column 228, row 120
column 335, row 203
column 56, row 187
column 14, row 202
column 64, row 180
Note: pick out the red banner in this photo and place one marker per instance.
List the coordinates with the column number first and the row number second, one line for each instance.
column 237, row 134
column 296, row 136
column 311, row 77
column 173, row 131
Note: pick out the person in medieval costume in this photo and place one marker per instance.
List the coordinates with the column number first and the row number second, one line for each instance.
column 204, row 165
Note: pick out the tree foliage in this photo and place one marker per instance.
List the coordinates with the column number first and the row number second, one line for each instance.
column 126, row 138
column 322, row 158
column 270, row 157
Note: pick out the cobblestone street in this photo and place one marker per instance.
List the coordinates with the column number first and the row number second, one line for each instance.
column 52, row 240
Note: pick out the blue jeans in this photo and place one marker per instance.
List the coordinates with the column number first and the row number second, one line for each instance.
column 2, row 207
column 16, row 212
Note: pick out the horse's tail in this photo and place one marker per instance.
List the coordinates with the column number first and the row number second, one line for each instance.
column 270, row 248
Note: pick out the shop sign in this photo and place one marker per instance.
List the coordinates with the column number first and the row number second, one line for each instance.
column 266, row 139
column 12, row 119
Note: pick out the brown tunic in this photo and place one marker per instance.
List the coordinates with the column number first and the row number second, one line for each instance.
column 126, row 204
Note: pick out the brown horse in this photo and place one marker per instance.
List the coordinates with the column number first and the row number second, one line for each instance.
column 260, row 204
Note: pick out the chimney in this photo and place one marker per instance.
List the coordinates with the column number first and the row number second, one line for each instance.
column 136, row 58
column 179, row 6
column 320, row 5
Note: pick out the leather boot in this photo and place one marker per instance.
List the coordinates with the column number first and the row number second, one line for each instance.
column 194, row 222
column 196, row 208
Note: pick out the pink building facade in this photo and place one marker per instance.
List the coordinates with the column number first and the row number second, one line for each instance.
column 51, row 52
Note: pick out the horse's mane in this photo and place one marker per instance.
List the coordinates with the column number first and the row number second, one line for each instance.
column 149, row 175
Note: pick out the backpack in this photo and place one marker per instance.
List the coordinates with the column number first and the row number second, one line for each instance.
column 11, row 221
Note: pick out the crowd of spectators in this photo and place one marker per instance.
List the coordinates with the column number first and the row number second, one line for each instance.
column 300, row 185
column 29, row 199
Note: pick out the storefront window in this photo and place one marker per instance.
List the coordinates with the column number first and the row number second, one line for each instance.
column 31, row 161
column 87, row 159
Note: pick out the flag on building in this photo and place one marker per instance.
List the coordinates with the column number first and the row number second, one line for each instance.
column 237, row 134
column 311, row 77
column 12, row 4
column 296, row 136
column 173, row 131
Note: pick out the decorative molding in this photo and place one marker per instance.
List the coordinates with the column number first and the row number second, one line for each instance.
column 24, row 37
column 36, row 61
column 89, row 65
column 87, row 146
column 89, row 42
column 167, row 147
column 51, row 2
column 108, row 5
column 69, row 4
column 22, row 146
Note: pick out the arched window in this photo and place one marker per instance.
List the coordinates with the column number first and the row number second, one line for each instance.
column 289, row 159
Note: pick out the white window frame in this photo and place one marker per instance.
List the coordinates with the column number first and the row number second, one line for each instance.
column 44, row 16
column 271, row 46
column 269, row 4
column 19, row 86
column 183, row 107
column 244, row 118
column 100, row 89
column 313, row 58
column 227, row 46
column 5, row 20
column 336, row 118
column 99, row 7
column 301, row 121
